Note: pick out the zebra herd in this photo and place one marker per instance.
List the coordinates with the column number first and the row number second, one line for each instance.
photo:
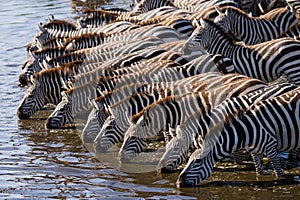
column 211, row 78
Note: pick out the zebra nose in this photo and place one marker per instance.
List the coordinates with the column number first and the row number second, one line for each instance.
column 125, row 156
column 23, row 80
column 50, row 123
column 99, row 148
column 166, row 169
column 23, row 115
column 182, row 182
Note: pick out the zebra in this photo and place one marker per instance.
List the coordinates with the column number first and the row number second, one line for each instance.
column 196, row 6
column 46, row 87
column 293, row 32
column 181, row 24
column 158, row 62
column 32, row 65
column 264, row 6
column 274, row 121
column 29, row 67
column 198, row 124
column 165, row 33
column 64, row 110
column 79, row 102
column 173, row 110
column 115, row 126
column 101, row 111
column 148, row 5
column 98, row 18
column 153, row 14
column 95, row 121
column 294, row 6
column 255, row 30
column 257, row 61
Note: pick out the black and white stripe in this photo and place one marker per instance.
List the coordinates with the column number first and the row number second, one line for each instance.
column 266, row 61
column 268, row 126
column 255, row 30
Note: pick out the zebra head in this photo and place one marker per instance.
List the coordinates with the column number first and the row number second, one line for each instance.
column 176, row 152
column 107, row 136
column 225, row 19
column 33, row 100
column 95, row 121
column 149, row 123
column 195, row 172
column 131, row 146
column 29, row 67
column 62, row 114
column 199, row 39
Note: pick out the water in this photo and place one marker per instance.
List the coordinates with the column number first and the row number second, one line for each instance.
column 40, row 163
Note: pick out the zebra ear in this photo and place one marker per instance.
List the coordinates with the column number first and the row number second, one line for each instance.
column 90, row 101
column 32, row 54
column 94, row 103
column 128, row 118
column 196, row 22
column 64, row 86
column 51, row 18
column 32, row 79
column 203, row 23
column 141, row 118
column 178, row 131
column 218, row 9
column 108, row 108
column 41, row 27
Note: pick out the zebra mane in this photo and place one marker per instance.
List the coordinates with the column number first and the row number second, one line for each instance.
column 235, row 10
column 136, row 117
column 80, row 87
column 64, row 69
column 85, row 36
column 274, row 13
column 47, row 51
column 58, row 22
column 137, row 7
column 79, row 56
column 154, row 20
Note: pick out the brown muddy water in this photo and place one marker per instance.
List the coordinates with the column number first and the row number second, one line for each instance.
column 42, row 164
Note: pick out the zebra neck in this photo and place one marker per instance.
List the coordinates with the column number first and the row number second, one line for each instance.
column 226, row 47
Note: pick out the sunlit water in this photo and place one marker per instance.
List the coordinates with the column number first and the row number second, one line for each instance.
column 39, row 163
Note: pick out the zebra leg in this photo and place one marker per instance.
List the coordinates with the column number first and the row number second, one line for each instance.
column 241, row 155
column 258, row 161
column 274, row 158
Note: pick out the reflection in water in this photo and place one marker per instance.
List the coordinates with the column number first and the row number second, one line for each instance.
column 40, row 163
